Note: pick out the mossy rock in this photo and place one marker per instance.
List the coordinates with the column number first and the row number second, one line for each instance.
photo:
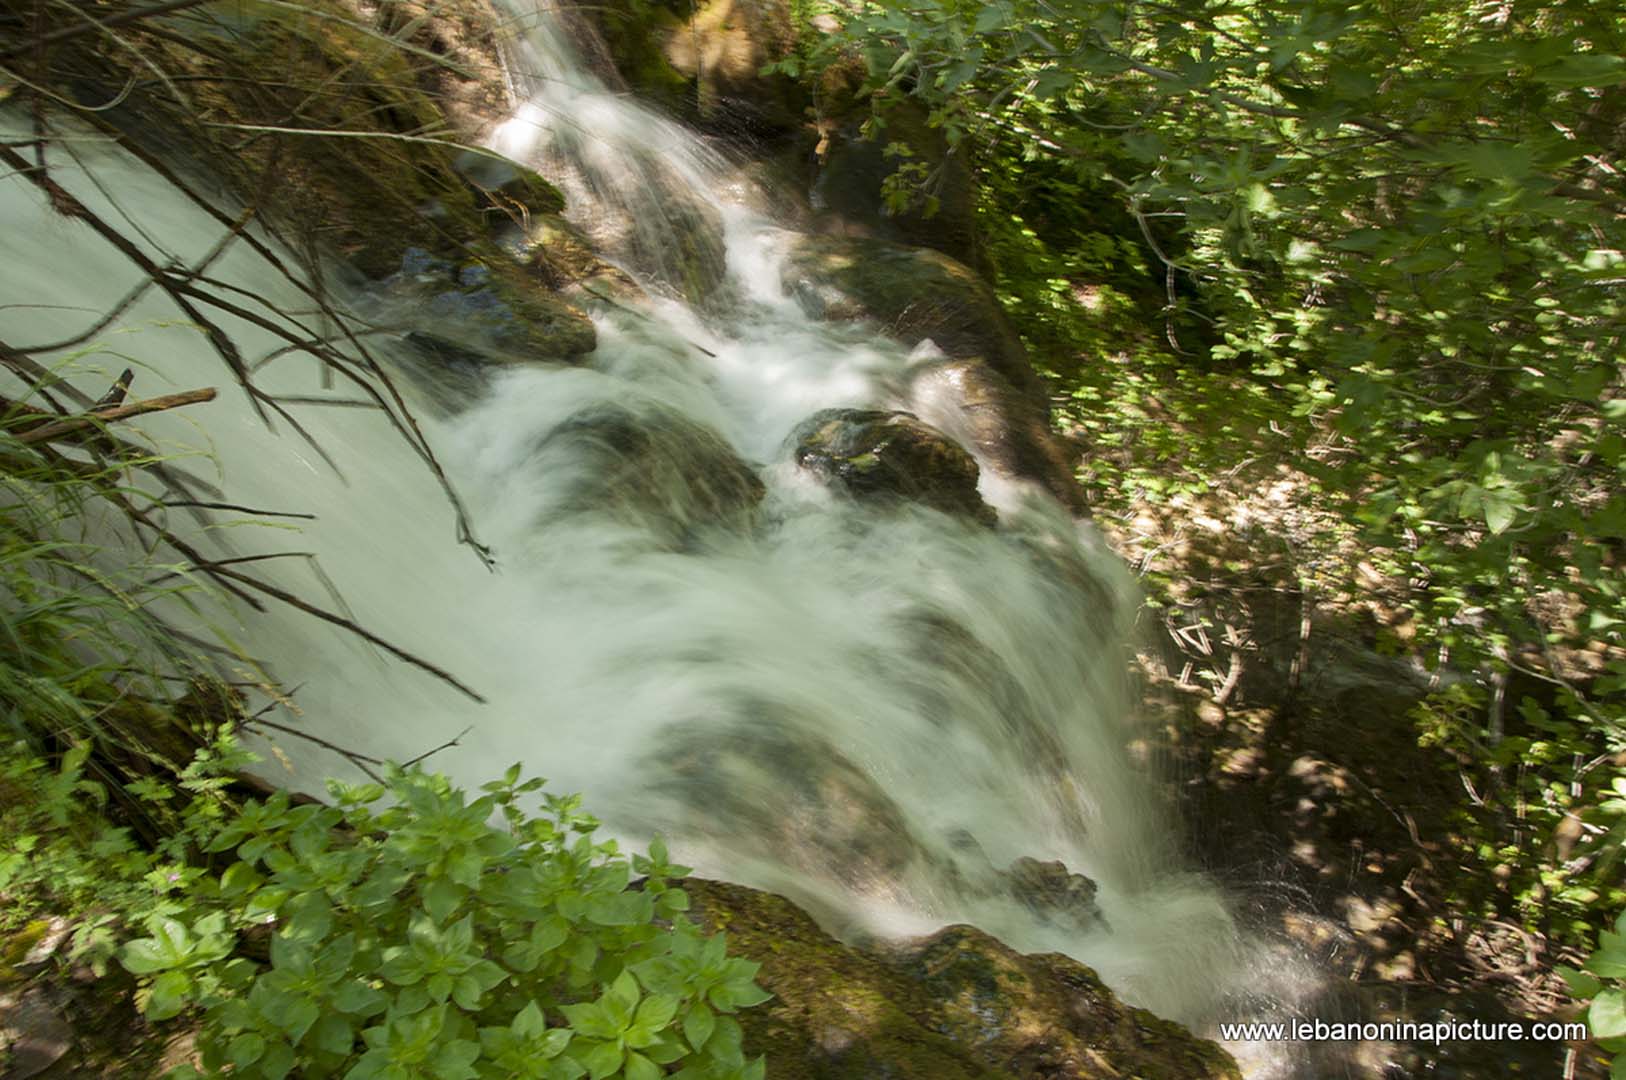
column 879, row 455
column 507, row 190
column 648, row 465
column 858, row 166
column 372, row 196
column 704, row 61
column 493, row 310
column 958, row 1005
column 914, row 294
column 331, row 152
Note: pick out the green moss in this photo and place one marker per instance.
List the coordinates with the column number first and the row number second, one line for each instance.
column 957, row 1006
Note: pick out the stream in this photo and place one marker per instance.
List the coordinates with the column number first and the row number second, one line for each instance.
column 874, row 709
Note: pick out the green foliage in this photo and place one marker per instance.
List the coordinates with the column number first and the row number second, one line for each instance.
column 407, row 937
column 1603, row 986
column 397, row 933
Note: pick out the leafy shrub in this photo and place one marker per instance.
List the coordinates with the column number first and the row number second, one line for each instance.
column 420, row 941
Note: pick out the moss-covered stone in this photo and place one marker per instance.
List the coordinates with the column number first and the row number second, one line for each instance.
column 914, row 293
column 493, row 308
column 859, row 163
column 955, row 1006
column 891, row 455
column 704, row 61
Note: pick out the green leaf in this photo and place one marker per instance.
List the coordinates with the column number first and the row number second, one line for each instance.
column 170, row 994
column 245, row 1050
column 641, row 1068
column 1581, row 984
column 333, row 1034
column 698, row 1025
column 143, row 957
column 991, row 17
column 1608, row 962
column 1051, row 82
column 1607, row 1016
column 442, row 897
column 590, row 1019
column 1499, row 506
column 603, row 1060
column 1582, row 69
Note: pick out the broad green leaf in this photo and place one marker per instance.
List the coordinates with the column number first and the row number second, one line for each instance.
column 1607, row 1015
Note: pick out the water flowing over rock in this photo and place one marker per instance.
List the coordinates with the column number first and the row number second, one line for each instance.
column 914, row 294
column 891, row 455
column 648, row 466
column 1049, row 889
column 1009, row 431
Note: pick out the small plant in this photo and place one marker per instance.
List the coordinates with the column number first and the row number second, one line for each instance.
column 421, row 941
column 1603, row 986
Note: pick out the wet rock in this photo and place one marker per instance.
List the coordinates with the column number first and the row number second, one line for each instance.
column 723, row 48
column 1010, row 431
column 890, row 455
column 651, row 466
column 856, row 170
column 914, row 294
column 954, row 1006
column 1055, row 894
column 484, row 312
column 506, row 189
column 558, row 256
column 33, row 1034
column 802, row 801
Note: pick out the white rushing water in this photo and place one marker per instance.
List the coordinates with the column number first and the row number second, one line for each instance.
column 874, row 710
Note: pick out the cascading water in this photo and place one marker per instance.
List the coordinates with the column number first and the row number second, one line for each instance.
column 876, row 710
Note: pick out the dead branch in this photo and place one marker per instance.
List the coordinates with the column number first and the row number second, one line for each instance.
column 60, row 428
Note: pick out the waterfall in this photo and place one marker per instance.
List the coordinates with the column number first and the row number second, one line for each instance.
column 875, row 710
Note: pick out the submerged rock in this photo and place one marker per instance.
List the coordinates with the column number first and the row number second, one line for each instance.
column 651, row 466
column 1054, row 893
column 914, row 294
column 875, row 454
column 956, row 1005
column 800, row 800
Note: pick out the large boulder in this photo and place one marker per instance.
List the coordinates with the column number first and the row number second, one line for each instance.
column 958, row 1005
column 864, row 155
column 1009, row 430
column 878, row 455
column 914, row 294
column 705, row 61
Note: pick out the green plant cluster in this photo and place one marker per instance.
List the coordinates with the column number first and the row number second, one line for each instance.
column 395, row 934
